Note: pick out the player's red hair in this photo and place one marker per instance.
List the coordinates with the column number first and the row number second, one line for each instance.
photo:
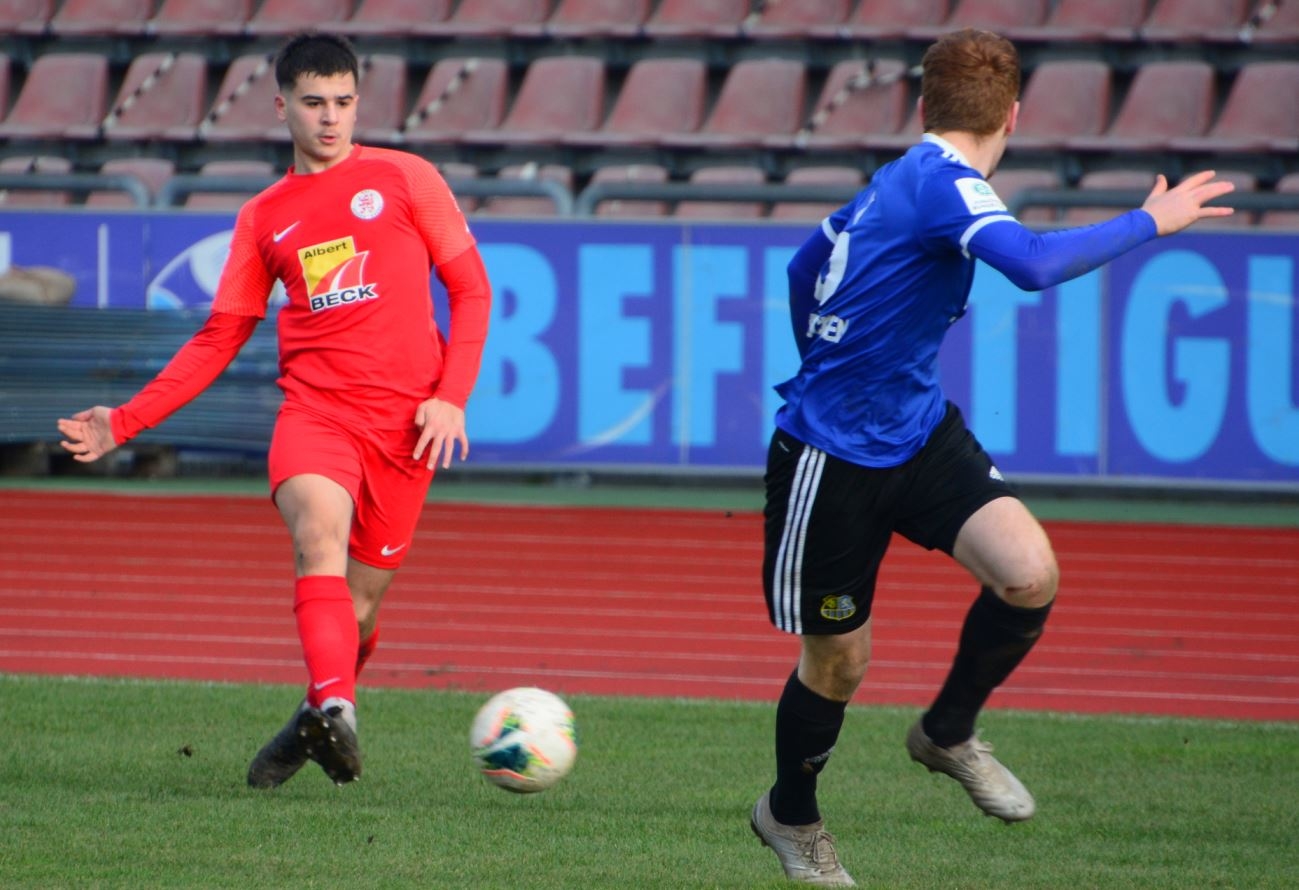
column 970, row 82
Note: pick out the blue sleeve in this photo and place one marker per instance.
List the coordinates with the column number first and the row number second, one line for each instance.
column 804, row 269
column 1038, row 260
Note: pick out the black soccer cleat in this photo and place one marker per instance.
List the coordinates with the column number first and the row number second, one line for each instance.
column 329, row 740
column 280, row 758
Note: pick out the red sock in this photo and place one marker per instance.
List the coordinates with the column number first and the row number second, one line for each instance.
column 327, row 629
column 368, row 645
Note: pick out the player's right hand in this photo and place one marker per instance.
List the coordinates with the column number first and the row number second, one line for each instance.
column 88, row 435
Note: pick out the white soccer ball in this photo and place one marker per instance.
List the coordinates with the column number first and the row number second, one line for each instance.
column 524, row 739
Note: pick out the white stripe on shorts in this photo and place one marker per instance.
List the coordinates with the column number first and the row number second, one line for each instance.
column 787, row 583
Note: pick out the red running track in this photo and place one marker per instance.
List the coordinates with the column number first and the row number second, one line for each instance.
column 1152, row 619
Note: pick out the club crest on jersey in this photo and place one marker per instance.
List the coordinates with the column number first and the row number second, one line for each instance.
column 838, row 608
column 367, row 204
column 335, row 275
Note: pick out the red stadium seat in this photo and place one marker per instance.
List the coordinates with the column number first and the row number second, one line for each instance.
column 589, row 18
column 1261, row 113
column 855, row 104
column 697, row 18
column 1284, row 219
column 885, row 19
column 1139, row 182
column 1282, row 26
column 458, row 96
column 623, row 208
column 5, row 81
column 216, row 18
column 1193, row 21
column 81, row 18
column 724, row 210
column 758, row 99
column 27, row 17
column 991, row 15
column 34, row 166
column 228, row 200
column 282, row 17
column 163, row 95
column 1166, row 100
column 849, row 177
column 659, row 96
column 559, row 95
column 381, row 108
column 1085, row 20
column 1062, row 100
column 392, row 18
column 47, row 108
column 796, row 18
column 244, row 108
column 1010, row 184
column 152, row 172
column 491, row 18
column 523, row 205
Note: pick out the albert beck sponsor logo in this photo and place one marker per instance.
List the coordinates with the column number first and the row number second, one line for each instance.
column 335, row 275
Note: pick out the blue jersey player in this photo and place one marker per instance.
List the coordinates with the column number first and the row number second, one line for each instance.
column 867, row 445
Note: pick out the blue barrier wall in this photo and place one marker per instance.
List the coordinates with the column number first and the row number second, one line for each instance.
column 657, row 345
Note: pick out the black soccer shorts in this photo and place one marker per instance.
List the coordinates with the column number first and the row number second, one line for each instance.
column 828, row 522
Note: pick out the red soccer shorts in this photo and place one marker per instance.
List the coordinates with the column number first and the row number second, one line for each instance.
column 387, row 485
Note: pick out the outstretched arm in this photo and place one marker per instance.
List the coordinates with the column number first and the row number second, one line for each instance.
column 89, row 435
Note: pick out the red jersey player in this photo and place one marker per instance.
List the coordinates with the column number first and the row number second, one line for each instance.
column 374, row 395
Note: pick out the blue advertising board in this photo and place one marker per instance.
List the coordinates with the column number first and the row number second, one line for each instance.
column 656, row 345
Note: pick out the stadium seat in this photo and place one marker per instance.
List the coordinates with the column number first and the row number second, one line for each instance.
column 623, row 208
column 46, row 108
column 851, row 107
column 381, row 109
column 1165, row 100
column 458, row 96
column 1284, row 219
column 5, row 81
column 1107, row 21
column 162, row 96
column 885, row 19
column 697, row 18
column 283, row 17
column 589, row 18
column 1138, row 182
column 1260, row 114
column 35, row 165
column 559, row 95
column 1193, row 21
column 1062, row 100
column 490, row 18
column 795, row 18
column 790, row 211
column 210, row 18
column 758, row 99
column 1011, row 183
column 523, row 205
column 724, row 210
column 26, row 17
column 152, row 172
column 1282, row 26
column 659, row 95
column 991, row 15
column 228, row 200
column 244, row 107
column 392, row 18
column 97, row 18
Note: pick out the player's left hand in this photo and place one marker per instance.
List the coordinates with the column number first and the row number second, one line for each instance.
column 441, row 425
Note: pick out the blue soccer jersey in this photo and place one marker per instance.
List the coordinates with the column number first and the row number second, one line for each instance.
column 874, row 292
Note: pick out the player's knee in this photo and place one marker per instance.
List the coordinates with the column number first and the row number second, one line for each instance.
column 317, row 543
column 1036, row 585
column 835, row 673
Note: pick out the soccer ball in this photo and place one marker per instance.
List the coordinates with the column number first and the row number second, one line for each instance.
column 524, row 740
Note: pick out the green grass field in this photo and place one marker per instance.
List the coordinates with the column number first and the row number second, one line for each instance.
column 141, row 784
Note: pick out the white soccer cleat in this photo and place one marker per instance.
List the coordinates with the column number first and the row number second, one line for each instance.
column 993, row 788
column 806, row 852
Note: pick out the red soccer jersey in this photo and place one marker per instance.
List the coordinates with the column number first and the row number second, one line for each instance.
column 354, row 246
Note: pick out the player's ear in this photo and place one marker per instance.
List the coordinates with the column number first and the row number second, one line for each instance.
column 920, row 110
column 281, row 107
column 1012, row 119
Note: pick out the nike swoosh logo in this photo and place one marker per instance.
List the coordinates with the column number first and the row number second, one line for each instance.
column 330, row 682
column 278, row 236
column 389, row 551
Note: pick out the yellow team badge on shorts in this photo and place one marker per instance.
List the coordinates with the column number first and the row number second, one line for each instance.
column 838, row 608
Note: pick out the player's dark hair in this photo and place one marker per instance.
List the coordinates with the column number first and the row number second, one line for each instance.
column 970, row 81
column 311, row 52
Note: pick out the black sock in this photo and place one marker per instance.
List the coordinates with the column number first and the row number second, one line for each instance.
column 994, row 640
column 807, row 726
